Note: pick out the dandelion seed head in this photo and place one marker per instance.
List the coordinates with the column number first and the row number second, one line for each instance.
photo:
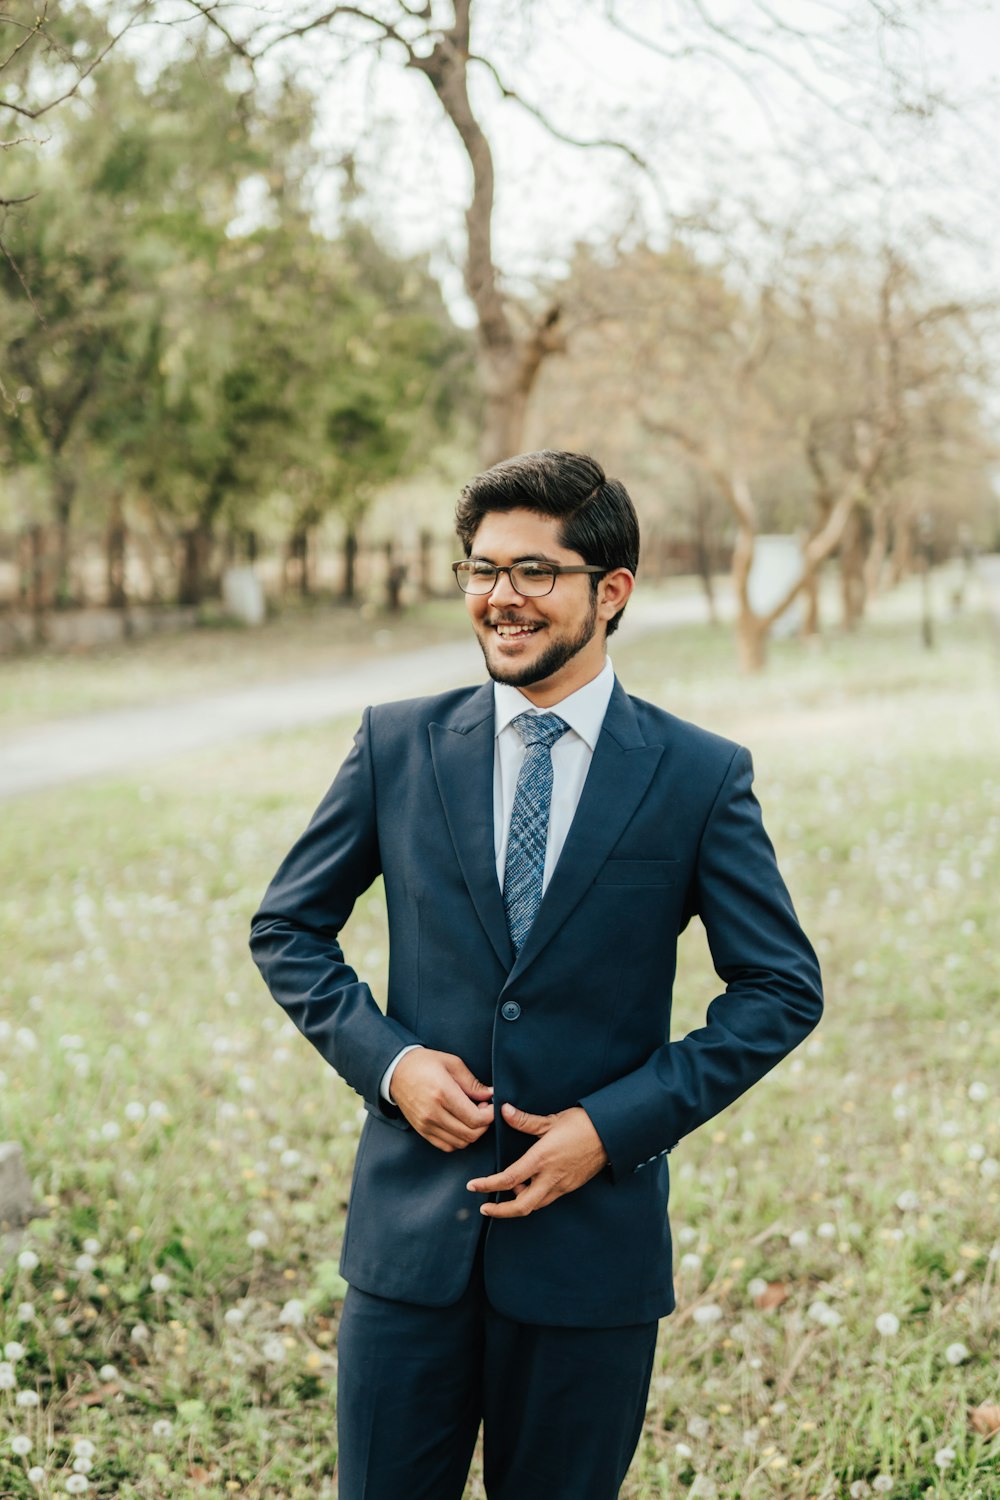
column 697, row 1427
column 25, row 1312
column 162, row 1427
column 690, row 1261
column 293, row 1314
column 234, row 1316
column 887, row 1324
column 707, row 1313
column 683, row 1451
column 83, row 1448
column 27, row 1398
column 27, row 1260
column 944, row 1458
column 160, row 1282
column 108, row 1372
column 13, row 1351
column 82, row 1465
column 978, row 1091
column 956, row 1354
column 907, row 1201
column 274, row 1350
column 257, row 1239
column 8, row 1379
column 84, row 1264
column 21, row 1445
column 882, row 1484
column 36, row 1475
column 77, row 1484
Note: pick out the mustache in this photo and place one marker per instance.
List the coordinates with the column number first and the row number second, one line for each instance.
column 512, row 620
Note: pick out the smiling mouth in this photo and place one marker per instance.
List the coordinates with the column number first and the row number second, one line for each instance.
column 518, row 630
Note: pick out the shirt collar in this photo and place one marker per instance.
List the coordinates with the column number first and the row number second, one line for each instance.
column 583, row 710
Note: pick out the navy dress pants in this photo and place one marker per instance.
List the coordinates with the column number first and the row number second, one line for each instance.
column 561, row 1408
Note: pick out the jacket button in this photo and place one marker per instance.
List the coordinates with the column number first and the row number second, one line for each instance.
column 510, row 1010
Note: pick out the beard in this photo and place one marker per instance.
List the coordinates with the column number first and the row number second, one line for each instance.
column 553, row 658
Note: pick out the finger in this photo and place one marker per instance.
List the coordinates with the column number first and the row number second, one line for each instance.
column 519, row 1119
column 511, row 1178
column 455, row 1103
column 534, row 1197
column 467, row 1081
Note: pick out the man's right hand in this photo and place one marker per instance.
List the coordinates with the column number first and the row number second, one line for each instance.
column 441, row 1098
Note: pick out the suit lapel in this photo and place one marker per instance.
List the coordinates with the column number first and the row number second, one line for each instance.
column 462, row 754
column 620, row 772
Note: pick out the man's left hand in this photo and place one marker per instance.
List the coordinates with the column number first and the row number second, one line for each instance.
column 568, row 1153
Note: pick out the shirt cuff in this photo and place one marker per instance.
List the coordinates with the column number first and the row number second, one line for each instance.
column 386, row 1081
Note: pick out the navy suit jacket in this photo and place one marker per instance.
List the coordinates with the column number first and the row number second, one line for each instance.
column 667, row 827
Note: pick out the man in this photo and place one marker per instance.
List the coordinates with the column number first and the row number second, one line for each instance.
column 543, row 840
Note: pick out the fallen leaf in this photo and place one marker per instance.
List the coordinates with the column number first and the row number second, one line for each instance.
column 773, row 1295
column 985, row 1418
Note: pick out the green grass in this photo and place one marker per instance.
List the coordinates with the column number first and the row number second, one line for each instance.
column 167, row 1111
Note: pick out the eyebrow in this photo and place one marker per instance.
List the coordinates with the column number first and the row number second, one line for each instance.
column 527, row 557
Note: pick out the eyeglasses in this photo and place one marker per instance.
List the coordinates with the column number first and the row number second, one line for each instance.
column 529, row 579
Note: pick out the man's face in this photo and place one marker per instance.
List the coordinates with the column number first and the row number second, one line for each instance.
column 548, row 646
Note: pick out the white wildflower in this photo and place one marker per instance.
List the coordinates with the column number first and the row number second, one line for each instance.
column 256, row 1239
column 83, row 1448
column 956, row 1354
column 691, row 1261
column 708, row 1312
column 293, row 1313
column 944, row 1458
column 108, row 1372
column 135, row 1111
column 882, row 1484
column 27, row 1260
column 27, row 1398
column 978, row 1092
column 13, row 1351
column 160, row 1282
column 36, row 1474
column 887, row 1324
column 25, row 1312
column 85, row 1263
column 163, row 1427
column 8, row 1380
column 698, row 1427
column 682, row 1450
column 92, row 1246
column 234, row 1316
column 110, row 1130
column 907, row 1201
column 21, row 1445
column 757, row 1286
column 826, row 1230
column 799, row 1238
column 77, row 1484
column 274, row 1350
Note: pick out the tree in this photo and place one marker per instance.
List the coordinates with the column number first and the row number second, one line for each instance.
column 437, row 40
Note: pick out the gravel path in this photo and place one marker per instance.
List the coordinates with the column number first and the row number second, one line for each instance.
column 75, row 749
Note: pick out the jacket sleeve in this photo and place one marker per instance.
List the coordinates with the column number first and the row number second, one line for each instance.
column 294, row 936
column 773, row 996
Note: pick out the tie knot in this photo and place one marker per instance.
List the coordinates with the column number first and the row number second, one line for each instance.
column 539, row 729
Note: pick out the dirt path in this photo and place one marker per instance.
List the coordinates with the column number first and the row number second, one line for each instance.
column 74, row 749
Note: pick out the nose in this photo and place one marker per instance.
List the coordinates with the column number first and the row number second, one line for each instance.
column 503, row 590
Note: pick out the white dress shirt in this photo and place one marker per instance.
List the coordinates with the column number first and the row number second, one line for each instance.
column 584, row 712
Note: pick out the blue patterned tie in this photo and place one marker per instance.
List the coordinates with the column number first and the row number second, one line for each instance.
column 529, row 823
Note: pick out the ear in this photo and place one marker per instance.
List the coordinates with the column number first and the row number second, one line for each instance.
column 613, row 592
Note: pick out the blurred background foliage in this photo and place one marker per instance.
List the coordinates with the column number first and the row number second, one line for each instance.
column 195, row 371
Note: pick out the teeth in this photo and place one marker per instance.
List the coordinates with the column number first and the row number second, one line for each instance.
column 514, row 630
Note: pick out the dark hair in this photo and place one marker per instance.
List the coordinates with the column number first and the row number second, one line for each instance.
column 598, row 518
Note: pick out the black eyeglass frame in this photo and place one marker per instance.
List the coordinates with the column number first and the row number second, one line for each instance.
column 554, row 568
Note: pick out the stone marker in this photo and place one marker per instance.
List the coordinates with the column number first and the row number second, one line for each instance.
column 17, row 1201
column 243, row 596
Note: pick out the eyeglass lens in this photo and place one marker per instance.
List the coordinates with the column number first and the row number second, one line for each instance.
column 528, row 579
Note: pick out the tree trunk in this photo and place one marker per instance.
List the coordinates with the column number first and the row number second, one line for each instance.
column 877, row 550
column 297, row 572
column 810, row 618
column 395, row 577
column 349, row 588
column 63, row 495
column 852, row 570
column 196, row 542
column 425, row 565
column 751, row 642
column 115, row 540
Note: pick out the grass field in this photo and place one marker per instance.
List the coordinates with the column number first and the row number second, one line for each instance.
column 170, row 1328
